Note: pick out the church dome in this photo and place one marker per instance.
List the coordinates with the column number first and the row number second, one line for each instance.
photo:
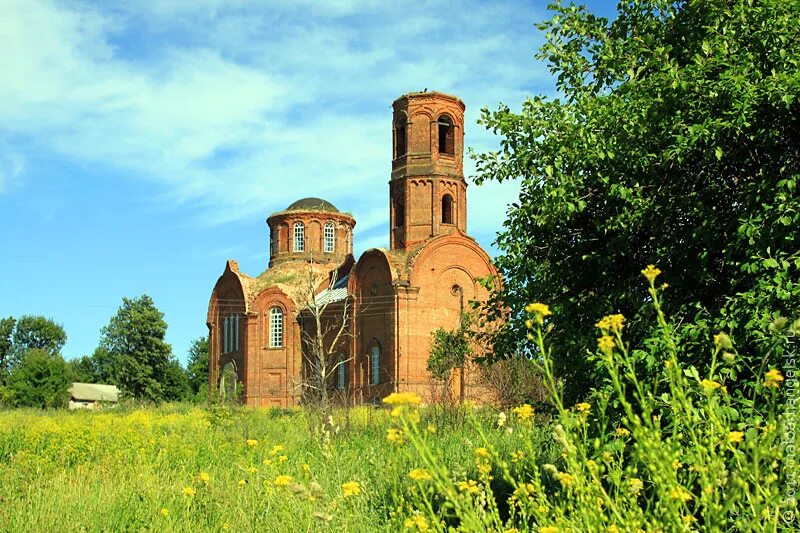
column 313, row 204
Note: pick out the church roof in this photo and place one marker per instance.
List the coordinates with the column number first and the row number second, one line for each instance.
column 312, row 204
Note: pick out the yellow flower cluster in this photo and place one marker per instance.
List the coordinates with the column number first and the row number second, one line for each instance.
column 419, row 474
column 539, row 310
column 735, row 436
column 651, row 273
column 710, row 384
column 417, row 522
column 402, row 398
column 679, row 493
column 282, row 481
column 773, row 379
column 351, row 488
column 482, row 452
column 524, row 411
column 276, row 449
column 470, row 486
column 188, row 492
column 606, row 344
column 635, row 485
column 565, row 479
column 204, row 478
column 583, row 407
column 394, row 435
column 613, row 323
column 622, row 432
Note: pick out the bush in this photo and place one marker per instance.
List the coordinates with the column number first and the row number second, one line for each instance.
column 39, row 380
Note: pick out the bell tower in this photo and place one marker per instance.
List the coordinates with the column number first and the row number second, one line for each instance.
column 427, row 191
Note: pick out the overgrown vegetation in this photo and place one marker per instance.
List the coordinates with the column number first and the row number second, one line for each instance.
column 675, row 140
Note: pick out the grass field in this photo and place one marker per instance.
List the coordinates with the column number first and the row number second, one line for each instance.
column 182, row 468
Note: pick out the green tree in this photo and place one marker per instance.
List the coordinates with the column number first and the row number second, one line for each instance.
column 135, row 355
column 6, row 332
column 197, row 365
column 39, row 379
column 37, row 332
column 83, row 369
column 675, row 141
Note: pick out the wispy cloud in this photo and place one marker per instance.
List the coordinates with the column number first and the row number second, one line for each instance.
column 238, row 108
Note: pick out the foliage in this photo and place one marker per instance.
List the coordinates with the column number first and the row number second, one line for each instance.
column 84, row 370
column 134, row 354
column 513, row 381
column 675, row 142
column 39, row 379
column 450, row 349
column 30, row 332
column 684, row 455
column 6, row 332
column 197, row 366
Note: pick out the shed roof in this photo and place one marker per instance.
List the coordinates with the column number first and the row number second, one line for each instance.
column 94, row 392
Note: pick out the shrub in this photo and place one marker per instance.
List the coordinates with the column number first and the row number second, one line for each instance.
column 39, row 380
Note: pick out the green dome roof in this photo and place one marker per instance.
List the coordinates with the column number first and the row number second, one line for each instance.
column 312, row 204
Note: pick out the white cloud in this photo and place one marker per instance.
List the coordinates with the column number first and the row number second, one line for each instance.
column 238, row 108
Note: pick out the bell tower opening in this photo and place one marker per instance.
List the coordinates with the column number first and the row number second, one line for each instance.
column 400, row 136
column 447, row 209
column 447, row 144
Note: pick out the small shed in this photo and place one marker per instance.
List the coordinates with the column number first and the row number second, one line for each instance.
column 92, row 395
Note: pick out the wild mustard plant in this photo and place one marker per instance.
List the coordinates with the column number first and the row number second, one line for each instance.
column 676, row 454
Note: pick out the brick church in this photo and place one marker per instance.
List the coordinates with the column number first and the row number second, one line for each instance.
column 389, row 300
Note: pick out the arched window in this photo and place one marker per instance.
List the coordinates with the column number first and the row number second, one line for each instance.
column 228, row 381
column 275, row 327
column 376, row 365
column 273, row 249
column 447, row 144
column 299, row 237
column 399, row 212
column 400, row 137
column 330, row 238
column 230, row 334
column 447, row 209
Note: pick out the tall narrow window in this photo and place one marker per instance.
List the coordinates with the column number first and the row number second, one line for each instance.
column 330, row 238
column 399, row 138
column 272, row 241
column 299, row 237
column 447, row 143
column 275, row 327
column 230, row 333
column 399, row 212
column 341, row 374
column 447, row 209
column 376, row 365
column 235, row 334
column 225, row 335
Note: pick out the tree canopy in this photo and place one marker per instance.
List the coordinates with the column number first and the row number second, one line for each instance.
column 674, row 141
column 134, row 353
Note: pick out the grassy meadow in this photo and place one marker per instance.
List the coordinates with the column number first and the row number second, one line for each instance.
column 182, row 468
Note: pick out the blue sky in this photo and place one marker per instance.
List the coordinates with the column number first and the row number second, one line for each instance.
column 144, row 142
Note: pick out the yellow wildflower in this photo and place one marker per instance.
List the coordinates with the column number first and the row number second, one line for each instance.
column 417, row 522
column 710, row 384
column 276, row 449
column 469, row 486
column 252, row 470
column 548, row 529
column 540, row 311
column 306, row 468
column 613, row 529
column 419, row 474
column 676, row 465
column 773, row 379
column 635, row 485
column 394, row 435
column 482, row 452
column 282, row 481
column 565, row 479
column 651, row 272
column 267, row 462
column 606, row 344
column 679, row 493
column 431, row 428
column 283, row 458
column 188, row 492
column 242, row 483
column 351, row 488
column 164, row 512
column 484, row 468
column 613, row 323
column 517, row 456
column 402, row 398
column 722, row 340
column 252, row 443
column 203, row 477
column 622, row 432
column 735, row 436
column 524, row 411
column 583, row 407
